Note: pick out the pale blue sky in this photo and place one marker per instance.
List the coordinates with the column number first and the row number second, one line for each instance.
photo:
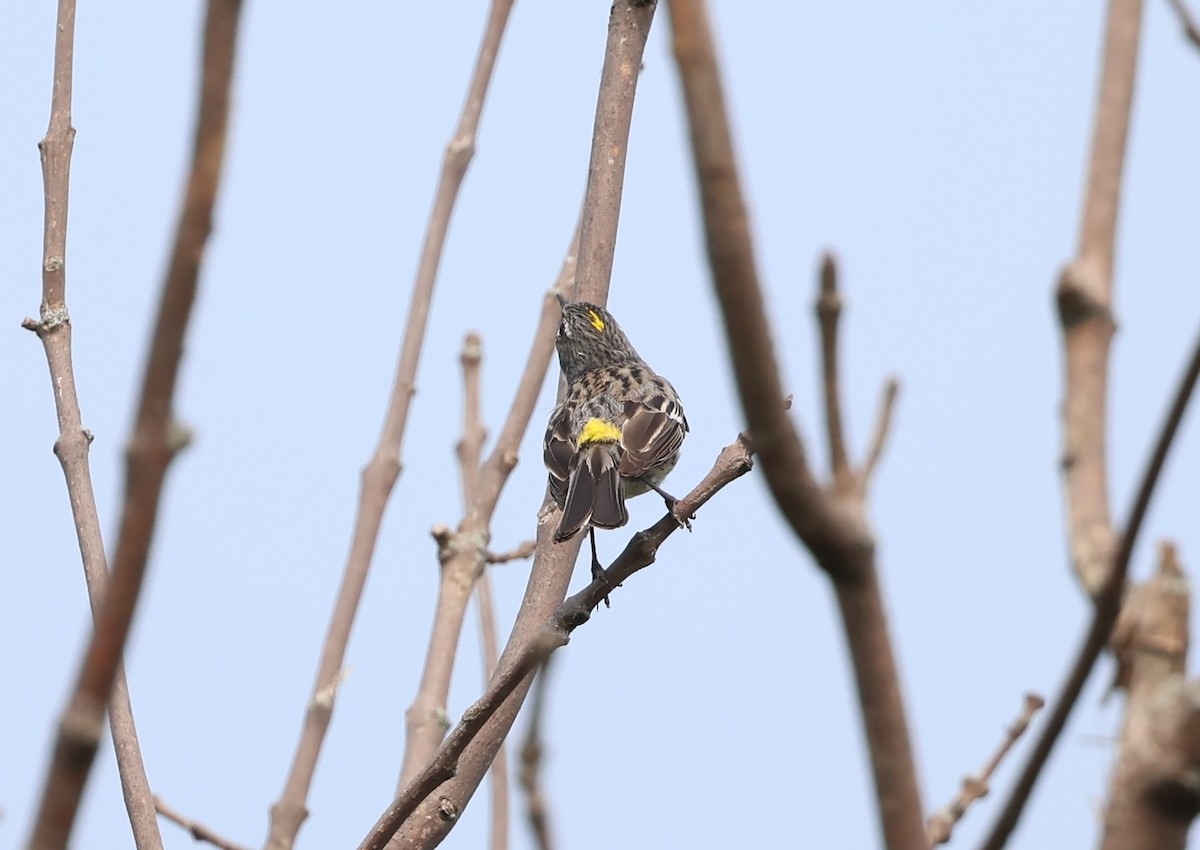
column 938, row 149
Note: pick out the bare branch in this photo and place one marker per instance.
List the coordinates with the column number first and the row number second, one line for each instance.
column 520, row 553
column 832, row 525
column 883, row 425
column 1190, row 29
column 491, row 655
column 531, row 764
column 941, row 824
column 519, row 664
column 198, row 831
column 829, row 308
column 1107, row 607
column 470, row 449
column 628, row 28
column 1153, row 797
column 470, row 445
column 380, row 474
column 1085, row 308
column 155, row 438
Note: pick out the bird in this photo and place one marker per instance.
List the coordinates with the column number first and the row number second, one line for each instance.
column 616, row 434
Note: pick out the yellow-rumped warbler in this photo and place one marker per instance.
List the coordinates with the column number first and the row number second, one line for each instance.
column 618, row 431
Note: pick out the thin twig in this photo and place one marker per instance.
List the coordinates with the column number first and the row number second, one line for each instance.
column 525, row 550
column 629, row 25
column 531, row 764
column 1190, row 28
column 470, row 449
column 941, row 824
column 383, row 469
column 80, row 726
column 1107, row 607
column 491, row 655
column 733, row 462
column 883, row 426
column 829, row 308
column 831, row 523
column 198, row 831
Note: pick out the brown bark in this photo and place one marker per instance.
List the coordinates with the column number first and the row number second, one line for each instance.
column 831, row 522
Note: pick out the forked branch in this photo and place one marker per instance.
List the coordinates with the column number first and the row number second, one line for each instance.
column 830, row 522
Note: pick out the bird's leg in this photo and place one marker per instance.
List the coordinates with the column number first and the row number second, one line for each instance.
column 670, row 501
column 597, row 570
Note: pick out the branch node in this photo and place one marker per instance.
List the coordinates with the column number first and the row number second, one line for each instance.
column 323, row 698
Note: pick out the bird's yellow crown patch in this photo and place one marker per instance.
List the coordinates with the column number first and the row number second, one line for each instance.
column 597, row 322
column 598, row 431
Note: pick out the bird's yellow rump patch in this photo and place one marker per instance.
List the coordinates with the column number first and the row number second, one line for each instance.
column 598, row 431
column 597, row 322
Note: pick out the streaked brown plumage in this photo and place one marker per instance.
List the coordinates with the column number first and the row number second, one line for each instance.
column 617, row 433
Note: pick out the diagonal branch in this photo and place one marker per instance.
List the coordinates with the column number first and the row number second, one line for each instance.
column 1107, row 607
column 198, row 831
column 1190, row 29
column 555, row 631
column 832, row 524
column 381, row 472
column 629, row 26
column 975, row 787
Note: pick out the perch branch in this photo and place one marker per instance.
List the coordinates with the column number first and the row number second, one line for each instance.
column 554, row 632
column 383, row 469
column 974, row 787
column 1104, row 617
column 831, row 524
column 629, row 25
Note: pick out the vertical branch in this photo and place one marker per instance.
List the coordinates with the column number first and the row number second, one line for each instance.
column 80, row 727
column 628, row 28
column 1153, row 799
column 383, row 469
column 470, row 449
column 154, row 442
column 1085, row 308
column 832, row 524
column 629, row 25
column 531, row 764
column 829, row 309
column 491, row 655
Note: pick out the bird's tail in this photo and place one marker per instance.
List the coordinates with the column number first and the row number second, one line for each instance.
column 596, row 493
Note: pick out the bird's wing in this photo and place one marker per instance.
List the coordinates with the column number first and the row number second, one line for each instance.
column 653, row 431
column 557, row 451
